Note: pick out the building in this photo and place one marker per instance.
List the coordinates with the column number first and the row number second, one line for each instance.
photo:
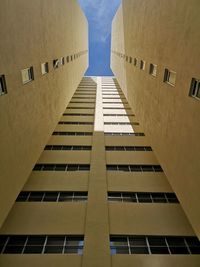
column 43, row 51
column 97, row 194
column 155, row 58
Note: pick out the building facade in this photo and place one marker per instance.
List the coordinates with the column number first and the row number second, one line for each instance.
column 155, row 54
column 97, row 195
column 43, row 51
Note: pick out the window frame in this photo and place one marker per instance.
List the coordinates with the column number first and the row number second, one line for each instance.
column 30, row 74
column 167, row 73
column 194, row 90
column 153, row 67
column 3, row 87
column 44, row 68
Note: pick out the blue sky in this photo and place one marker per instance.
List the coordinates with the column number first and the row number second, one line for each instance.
column 99, row 14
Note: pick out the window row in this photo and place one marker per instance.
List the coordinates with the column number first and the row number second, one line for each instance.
column 62, row 167
column 73, row 133
column 104, row 102
column 116, row 98
column 134, row 168
column 82, row 97
column 169, row 75
column 124, row 134
column 28, row 73
column 142, row 197
column 63, row 147
column 118, row 115
column 76, row 122
column 78, row 114
column 124, row 108
column 154, row 245
column 69, row 107
column 81, row 102
column 128, row 148
column 121, row 123
column 77, row 93
column 51, row 196
column 41, row 244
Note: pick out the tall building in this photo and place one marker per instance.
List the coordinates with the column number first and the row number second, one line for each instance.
column 155, row 58
column 92, row 192
column 97, row 196
column 44, row 54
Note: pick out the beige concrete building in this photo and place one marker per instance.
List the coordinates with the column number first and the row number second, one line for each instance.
column 96, row 194
column 155, row 58
column 43, row 51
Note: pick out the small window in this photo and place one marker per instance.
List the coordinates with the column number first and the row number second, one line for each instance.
column 195, row 88
column 142, row 65
column 55, row 63
column 62, row 61
column 153, row 70
column 67, row 58
column 44, row 68
column 170, row 77
column 3, row 89
column 27, row 75
column 71, row 58
column 74, row 56
column 135, row 62
column 126, row 58
column 130, row 59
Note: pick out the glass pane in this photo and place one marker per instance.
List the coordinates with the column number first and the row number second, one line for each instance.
column 33, row 249
column 55, row 240
column 137, row 241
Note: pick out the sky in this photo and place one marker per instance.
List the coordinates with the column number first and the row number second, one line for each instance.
column 99, row 14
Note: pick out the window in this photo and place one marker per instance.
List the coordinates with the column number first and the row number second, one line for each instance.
column 60, row 147
column 51, row 196
column 27, row 75
column 71, row 57
column 153, row 69
column 55, row 63
column 125, row 134
column 44, row 68
column 142, row 197
column 40, row 244
column 61, row 167
column 76, row 122
column 67, row 58
column 3, row 89
column 154, row 244
column 128, row 148
column 142, row 65
column 135, row 62
column 62, row 61
column 130, row 59
column 73, row 133
column 134, row 168
column 170, row 77
column 195, row 88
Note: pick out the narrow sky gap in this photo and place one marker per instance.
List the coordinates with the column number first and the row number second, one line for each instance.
column 99, row 14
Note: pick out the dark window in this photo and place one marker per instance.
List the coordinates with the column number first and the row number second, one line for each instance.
column 170, row 77
column 154, row 245
column 3, row 88
column 35, row 244
column 153, row 69
column 55, row 63
column 195, row 88
column 27, row 75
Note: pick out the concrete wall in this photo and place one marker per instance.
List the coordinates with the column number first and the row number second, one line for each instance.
column 34, row 32
column 164, row 33
column 98, row 218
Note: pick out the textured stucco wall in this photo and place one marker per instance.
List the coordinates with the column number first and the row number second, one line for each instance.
column 33, row 32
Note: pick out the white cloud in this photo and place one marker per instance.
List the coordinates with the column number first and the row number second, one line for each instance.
column 100, row 14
